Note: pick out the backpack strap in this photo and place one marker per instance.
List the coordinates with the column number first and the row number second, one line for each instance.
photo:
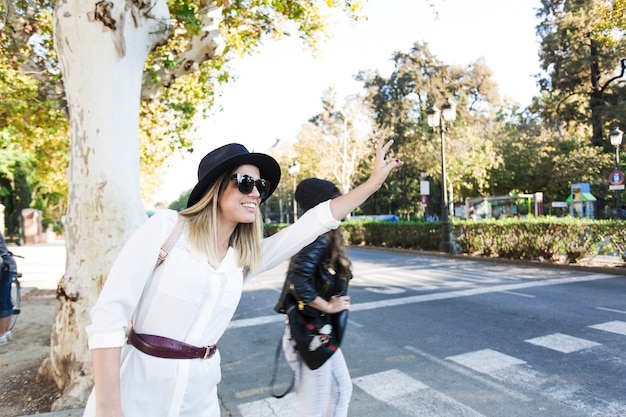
column 170, row 242
column 163, row 254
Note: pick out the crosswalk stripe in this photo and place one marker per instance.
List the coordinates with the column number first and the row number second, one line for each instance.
column 412, row 397
column 616, row 326
column 470, row 374
column 513, row 372
column 563, row 343
column 388, row 385
column 393, row 387
column 486, row 360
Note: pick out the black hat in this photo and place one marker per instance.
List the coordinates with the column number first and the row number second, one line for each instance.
column 312, row 191
column 228, row 157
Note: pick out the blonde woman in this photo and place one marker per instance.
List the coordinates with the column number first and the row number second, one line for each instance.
column 180, row 309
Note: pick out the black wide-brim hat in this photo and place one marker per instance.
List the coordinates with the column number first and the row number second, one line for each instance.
column 228, row 157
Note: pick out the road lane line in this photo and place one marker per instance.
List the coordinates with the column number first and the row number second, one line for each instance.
column 611, row 310
column 519, row 294
column 393, row 302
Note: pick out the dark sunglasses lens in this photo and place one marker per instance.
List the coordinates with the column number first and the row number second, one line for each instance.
column 264, row 187
column 246, row 184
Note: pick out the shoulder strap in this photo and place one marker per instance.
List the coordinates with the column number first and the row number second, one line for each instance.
column 170, row 242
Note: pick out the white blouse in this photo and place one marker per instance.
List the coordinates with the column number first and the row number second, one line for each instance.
column 184, row 299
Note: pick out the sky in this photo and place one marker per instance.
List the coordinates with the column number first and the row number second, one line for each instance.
column 280, row 87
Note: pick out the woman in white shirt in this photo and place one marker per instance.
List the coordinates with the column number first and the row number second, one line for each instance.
column 180, row 309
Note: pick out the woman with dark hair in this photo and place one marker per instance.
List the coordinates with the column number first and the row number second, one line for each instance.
column 181, row 307
column 322, row 391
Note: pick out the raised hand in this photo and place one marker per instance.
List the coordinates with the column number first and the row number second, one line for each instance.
column 340, row 207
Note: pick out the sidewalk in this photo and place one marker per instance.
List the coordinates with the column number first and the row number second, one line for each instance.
column 42, row 266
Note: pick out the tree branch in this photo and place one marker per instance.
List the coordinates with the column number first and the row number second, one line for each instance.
column 621, row 74
column 205, row 46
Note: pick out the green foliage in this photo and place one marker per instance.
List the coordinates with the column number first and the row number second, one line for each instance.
column 399, row 104
column 536, row 159
column 331, row 145
column 16, row 171
column 32, row 108
column 536, row 238
column 418, row 235
column 533, row 238
column 582, row 88
column 181, row 202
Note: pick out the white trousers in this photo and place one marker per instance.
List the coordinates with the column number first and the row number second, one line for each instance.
column 324, row 392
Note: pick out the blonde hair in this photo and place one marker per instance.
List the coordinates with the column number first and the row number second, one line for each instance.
column 202, row 229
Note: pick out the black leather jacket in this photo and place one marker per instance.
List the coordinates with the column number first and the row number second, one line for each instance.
column 309, row 276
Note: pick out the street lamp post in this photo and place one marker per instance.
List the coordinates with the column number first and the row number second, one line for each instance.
column 616, row 136
column 437, row 120
column 294, row 169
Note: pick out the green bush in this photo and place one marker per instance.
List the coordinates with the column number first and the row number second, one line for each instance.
column 532, row 238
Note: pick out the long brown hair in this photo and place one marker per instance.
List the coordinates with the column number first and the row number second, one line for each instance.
column 339, row 259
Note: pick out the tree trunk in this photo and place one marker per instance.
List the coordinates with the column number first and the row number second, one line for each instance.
column 595, row 99
column 102, row 47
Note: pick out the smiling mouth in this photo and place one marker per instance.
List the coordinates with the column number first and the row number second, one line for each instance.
column 249, row 205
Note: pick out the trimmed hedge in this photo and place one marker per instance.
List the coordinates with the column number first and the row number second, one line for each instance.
column 533, row 238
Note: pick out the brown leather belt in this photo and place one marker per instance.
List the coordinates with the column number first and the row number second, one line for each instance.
column 163, row 347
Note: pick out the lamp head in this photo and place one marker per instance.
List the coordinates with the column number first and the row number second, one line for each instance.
column 294, row 169
column 616, row 136
column 432, row 116
column 449, row 111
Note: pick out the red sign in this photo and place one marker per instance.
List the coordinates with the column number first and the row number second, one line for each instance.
column 616, row 177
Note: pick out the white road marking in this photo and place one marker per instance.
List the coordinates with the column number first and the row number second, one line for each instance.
column 519, row 294
column 509, row 371
column 611, row 310
column 412, row 397
column 469, row 374
column 563, row 343
column 388, row 290
column 486, row 361
column 393, row 387
column 257, row 321
column 616, row 326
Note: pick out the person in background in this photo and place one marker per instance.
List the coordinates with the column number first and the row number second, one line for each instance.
column 325, row 391
column 7, row 270
column 179, row 309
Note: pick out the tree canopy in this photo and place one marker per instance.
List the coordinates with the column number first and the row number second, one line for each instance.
column 180, row 80
column 582, row 52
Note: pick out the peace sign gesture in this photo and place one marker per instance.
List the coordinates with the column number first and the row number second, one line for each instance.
column 340, row 207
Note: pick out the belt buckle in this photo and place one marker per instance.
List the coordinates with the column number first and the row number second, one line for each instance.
column 209, row 351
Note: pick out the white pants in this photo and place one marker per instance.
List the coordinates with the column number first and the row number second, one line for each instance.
column 324, row 392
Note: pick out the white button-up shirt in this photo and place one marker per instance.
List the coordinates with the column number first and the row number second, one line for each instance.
column 184, row 299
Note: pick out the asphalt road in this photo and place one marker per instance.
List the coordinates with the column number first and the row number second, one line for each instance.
column 435, row 336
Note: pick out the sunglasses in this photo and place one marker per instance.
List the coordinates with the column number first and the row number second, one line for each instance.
column 246, row 184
